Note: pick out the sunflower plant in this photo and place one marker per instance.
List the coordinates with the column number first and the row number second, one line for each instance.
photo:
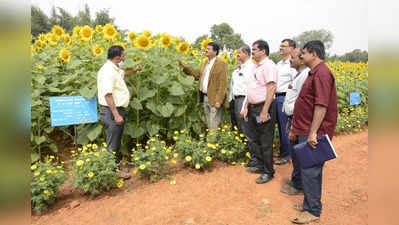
column 94, row 169
column 47, row 177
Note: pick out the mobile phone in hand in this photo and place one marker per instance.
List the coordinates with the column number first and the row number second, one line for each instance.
column 258, row 118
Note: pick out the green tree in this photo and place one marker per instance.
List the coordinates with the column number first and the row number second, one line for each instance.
column 83, row 17
column 103, row 17
column 356, row 55
column 225, row 36
column 65, row 20
column 275, row 56
column 323, row 35
column 39, row 21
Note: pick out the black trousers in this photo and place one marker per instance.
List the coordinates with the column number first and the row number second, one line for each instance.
column 312, row 184
column 261, row 137
column 232, row 115
column 113, row 131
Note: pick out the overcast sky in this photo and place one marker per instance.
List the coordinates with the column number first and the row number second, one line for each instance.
column 269, row 20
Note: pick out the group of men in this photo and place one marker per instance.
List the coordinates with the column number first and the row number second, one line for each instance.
column 298, row 93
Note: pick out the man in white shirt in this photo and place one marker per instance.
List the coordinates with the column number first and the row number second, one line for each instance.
column 239, row 83
column 285, row 77
column 113, row 97
column 295, row 183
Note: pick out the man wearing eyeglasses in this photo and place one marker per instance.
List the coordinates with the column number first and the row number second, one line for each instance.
column 260, row 110
column 238, row 90
column 286, row 75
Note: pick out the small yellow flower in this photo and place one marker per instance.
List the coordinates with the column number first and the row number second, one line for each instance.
column 40, row 67
column 248, row 155
column 48, row 171
column 176, row 132
column 241, row 135
column 79, row 163
column 104, row 144
column 149, row 163
column 135, row 171
column 153, row 148
column 197, row 166
column 42, row 178
column 33, row 167
column 87, row 160
column 97, row 154
column 37, row 173
column 46, row 192
column 175, row 155
column 182, row 131
column 208, row 158
column 188, row 158
column 90, row 174
column 175, row 138
column 233, row 163
column 166, row 157
column 230, row 152
column 201, row 135
column 223, row 151
column 173, row 182
column 120, row 183
column 174, row 161
column 137, row 158
column 142, row 166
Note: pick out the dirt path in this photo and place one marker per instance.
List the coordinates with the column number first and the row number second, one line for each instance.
column 226, row 195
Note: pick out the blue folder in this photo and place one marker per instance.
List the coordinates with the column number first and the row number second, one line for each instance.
column 309, row 157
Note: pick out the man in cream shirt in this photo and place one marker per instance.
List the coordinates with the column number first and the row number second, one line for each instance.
column 113, row 97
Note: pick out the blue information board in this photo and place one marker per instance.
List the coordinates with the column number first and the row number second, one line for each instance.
column 70, row 110
column 354, row 98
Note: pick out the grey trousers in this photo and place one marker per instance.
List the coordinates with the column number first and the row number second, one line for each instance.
column 113, row 131
column 213, row 115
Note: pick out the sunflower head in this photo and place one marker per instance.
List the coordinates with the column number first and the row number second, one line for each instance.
column 147, row 33
column 132, row 36
column 64, row 55
column 166, row 40
column 142, row 42
column 99, row 28
column 67, row 39
column 42, row 37
column 205, row 43
column 176, row 40
column 195, row 52
column 76, row 31
column 58, row 31
column 109, row 32
column 97, row 50
column 52, row 39
column 183, row 47
column 86, row 33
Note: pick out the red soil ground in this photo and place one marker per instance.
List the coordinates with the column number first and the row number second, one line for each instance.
column 226, row 195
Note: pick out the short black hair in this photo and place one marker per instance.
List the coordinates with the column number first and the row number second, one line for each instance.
column 215, row 47
column 291, row 42
column 246, row 48
column 316, row 46
column 262, row 45
column 115, row 51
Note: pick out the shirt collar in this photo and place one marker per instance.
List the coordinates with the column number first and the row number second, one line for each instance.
column 246, row 63
column 262, row 62
column 113, row 65
column 212, row 60
column 287, row 61
column 316, row 68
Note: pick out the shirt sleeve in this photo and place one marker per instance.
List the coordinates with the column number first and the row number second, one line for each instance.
column 270, row 74
column 323, row 84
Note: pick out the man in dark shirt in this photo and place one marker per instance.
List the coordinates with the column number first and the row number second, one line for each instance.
column 315, row 114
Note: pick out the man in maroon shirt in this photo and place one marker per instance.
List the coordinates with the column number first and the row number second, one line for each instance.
column 315, row 114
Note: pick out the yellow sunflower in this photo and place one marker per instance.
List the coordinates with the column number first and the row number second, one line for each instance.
column 52, row 39
column 132, row 36
column 67, row 39
column 142, row 42
column 176, row 40
column 76, row 31
column 86, row 33
column 166, row 40
column 65, row 55
column 205, row 43
column 97, row 50
column 110, row 31
column 183, row 47
column 99, row 28
column 42, row 37
column 195, row 52
column 58, row 31
column 147, row 33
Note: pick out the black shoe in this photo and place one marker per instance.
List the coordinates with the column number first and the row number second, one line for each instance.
column 281, row 161
column 251, row 164
column 291, row 191
column 263, row 178
column 254, row 170
column 288, row 181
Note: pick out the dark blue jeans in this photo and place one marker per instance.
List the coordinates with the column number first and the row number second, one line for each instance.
column 282, row 121
column 312, row 183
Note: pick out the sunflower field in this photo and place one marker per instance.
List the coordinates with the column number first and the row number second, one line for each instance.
column 163, row 98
